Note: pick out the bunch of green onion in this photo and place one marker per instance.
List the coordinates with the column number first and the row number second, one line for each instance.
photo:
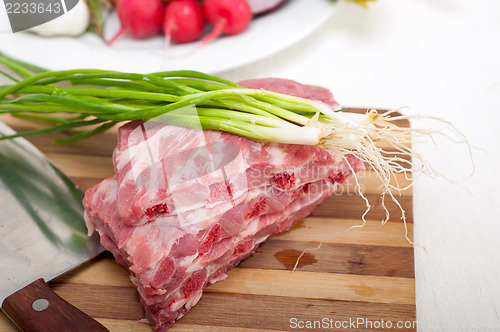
column 103, row 98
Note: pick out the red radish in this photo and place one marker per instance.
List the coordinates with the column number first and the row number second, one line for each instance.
column 183, row 21
column 139, row 18
column 227, row 16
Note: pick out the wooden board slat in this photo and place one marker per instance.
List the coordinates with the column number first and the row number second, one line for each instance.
column 364, row 274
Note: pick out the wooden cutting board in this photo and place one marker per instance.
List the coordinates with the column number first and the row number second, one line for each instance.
column 360, row 278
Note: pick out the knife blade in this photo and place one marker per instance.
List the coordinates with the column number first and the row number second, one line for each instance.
column 42, row 235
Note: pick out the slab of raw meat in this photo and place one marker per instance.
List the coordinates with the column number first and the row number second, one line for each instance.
column 173, row 257
column 186, row 205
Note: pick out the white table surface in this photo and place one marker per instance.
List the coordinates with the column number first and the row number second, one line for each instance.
column 439, row 58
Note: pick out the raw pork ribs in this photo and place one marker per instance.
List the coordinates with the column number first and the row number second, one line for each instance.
column 186, row 205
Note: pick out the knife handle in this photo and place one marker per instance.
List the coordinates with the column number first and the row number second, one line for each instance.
column 36, row 308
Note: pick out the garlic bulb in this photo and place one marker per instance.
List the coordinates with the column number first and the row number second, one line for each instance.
column 74, row 23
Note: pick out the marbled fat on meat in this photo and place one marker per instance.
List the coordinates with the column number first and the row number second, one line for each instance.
column 186, row 205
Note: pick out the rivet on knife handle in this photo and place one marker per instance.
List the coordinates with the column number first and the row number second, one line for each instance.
column 36, row 308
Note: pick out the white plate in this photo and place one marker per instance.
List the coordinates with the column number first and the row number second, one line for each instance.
column 265, row 36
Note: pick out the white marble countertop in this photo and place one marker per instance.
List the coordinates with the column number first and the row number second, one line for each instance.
column 438, row 58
